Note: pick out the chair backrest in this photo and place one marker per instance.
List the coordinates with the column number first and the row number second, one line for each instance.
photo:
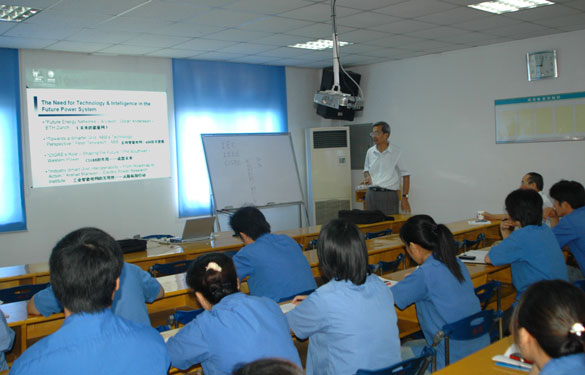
column 290, row 298
column 471, row 327
column 386, row 267
column 183, row 317
column 385, row 232
column 474, row 244
column 485, row 295
column 21, row 292
column 164, row 269
column 413, row 366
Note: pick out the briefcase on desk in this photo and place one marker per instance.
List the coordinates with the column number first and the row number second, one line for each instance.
column 132, row 245
column 363, row 217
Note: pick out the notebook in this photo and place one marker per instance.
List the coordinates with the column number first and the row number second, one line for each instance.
column 198, row 229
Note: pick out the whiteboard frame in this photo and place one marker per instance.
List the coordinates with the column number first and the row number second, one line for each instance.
column 276, row 204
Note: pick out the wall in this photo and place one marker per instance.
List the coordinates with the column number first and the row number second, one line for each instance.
column 441, row 109
column 124, row 209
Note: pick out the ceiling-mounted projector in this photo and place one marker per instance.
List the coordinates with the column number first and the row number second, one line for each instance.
column 337, row 99
column 334, row 98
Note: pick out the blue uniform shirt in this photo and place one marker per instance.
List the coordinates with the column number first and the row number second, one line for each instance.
column 96, row 344
column 567, row 365
column 440, row 299
column 136, row 288
column 350, row 327
column 6, row 340
column 276, row 267
column 237, row 330
column 534, row 255
column 571, row 231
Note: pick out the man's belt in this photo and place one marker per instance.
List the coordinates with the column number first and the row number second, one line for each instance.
column 377, row 188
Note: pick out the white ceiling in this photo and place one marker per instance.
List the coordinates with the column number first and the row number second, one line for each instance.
column 258, row 31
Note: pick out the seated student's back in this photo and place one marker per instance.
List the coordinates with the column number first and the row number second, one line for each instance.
column 6, row 340
column 350, row 321
column 531, row 249
column 274, row 264
column 235, row 328
column 440, row 287
column 85, row 269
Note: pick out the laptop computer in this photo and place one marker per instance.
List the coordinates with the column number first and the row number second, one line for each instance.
column 197, row 229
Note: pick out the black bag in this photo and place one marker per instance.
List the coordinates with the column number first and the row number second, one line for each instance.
column 363, row 217
column 132, row 245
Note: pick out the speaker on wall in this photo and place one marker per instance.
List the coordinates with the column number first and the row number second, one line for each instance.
column 347, row 87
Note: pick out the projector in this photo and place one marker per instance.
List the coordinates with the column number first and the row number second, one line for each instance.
column 336, row 99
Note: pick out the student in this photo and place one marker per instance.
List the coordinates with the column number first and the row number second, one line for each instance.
column 137, row 287
column 6, row 340
column 275, row 263
column 235, row 328
column 440, row 287
column 548, row 326
column 85, row 271
column 531, row 249
column 569, row 204
column 351, row 320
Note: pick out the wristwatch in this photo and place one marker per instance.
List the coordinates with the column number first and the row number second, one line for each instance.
column 405, row 196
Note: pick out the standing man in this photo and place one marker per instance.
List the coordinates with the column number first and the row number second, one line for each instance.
column 382, row 171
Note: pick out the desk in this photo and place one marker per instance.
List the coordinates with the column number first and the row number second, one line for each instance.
column 480, row 363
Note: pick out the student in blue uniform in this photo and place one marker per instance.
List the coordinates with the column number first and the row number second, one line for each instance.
column 548, row 326
column 440, row 287
column 531, row 249
column 6, row 340
column 137, row 287
column 350, row 321
column 569, row 204
column 85, row 271
column 235, row 328
column 275, row 263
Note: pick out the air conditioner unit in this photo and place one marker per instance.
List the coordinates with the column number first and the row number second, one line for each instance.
column 328, row 173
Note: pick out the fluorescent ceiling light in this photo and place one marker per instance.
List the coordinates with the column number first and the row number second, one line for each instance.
column 13, row 13
column 320, row 44
column 506, row 6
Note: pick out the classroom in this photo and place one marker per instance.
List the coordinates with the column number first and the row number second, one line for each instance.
column 439, row 103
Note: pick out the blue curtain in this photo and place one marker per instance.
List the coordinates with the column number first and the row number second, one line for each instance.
column 12, row 212
column 220, row 97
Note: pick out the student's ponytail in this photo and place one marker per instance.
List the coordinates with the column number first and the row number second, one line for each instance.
column 422, row 230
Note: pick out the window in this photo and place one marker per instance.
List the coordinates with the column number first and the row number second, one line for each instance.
column 220, row 97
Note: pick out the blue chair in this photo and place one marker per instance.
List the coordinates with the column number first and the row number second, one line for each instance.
column 164, row 269
column 472, row 327
column 290, row 298
column 21, row 292
column 580, row 284
column 485, row 294
column 183, row 317
column 474, row 244
column 385, row 232
column 413, row 366
column 386, row 267
column 312, row 244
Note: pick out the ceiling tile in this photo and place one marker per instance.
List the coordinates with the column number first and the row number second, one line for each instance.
column 173, row 53
column 217, row 56
column 253, row 59
column 188, row 29
column 131, row 24
column 485, row 23
column 403, row 26
column 394, row 41
column 168, row 11
column 535, row 14
column 516, row 29
column 124, row 49
column 441, row 32
column 236, row 35
column 91, row 6
column 366, row 20
column 25, row 43
column 367, row 4
column 575, row 4
column 358, row 36
column 201, row 44
column 274, row 24
column 29, row 30
column 224, row 18
column 100, row 36
column 576, row 19
column 416, row 8
column 452, row 16
column 286, row 52
column 153, row 40
column 318, row 13
column 320, row 31
column 281, row 40
column 247, row 48
column 268, row 6
column 77, row 46
column 52, row 17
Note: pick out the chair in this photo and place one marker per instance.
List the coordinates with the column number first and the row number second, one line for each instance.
column 386, row 267
column 290, row 298
column 580, row 284
column 312, row 244
column 183, row 317
column 485, row 294
column 385, row 232
column 413, row 366
column 472, row 327
column 474, row 244
column 164, row 269
column 21, row 292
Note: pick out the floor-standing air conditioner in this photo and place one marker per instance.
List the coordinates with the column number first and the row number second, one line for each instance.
column 328, row 173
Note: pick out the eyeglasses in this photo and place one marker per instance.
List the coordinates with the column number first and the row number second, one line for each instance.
column 375, row 134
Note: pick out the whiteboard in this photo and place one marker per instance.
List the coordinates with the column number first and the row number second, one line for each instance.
column 251, row 169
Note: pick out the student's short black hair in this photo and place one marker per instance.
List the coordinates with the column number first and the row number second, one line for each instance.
column 250, row 221
column 384, row 125
column 342, row 252
column 84, row 266
column 268, row 366
column 525, row 206
column 548, row 310
column 571, row 192
column 535, row 178
column 205, row 277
